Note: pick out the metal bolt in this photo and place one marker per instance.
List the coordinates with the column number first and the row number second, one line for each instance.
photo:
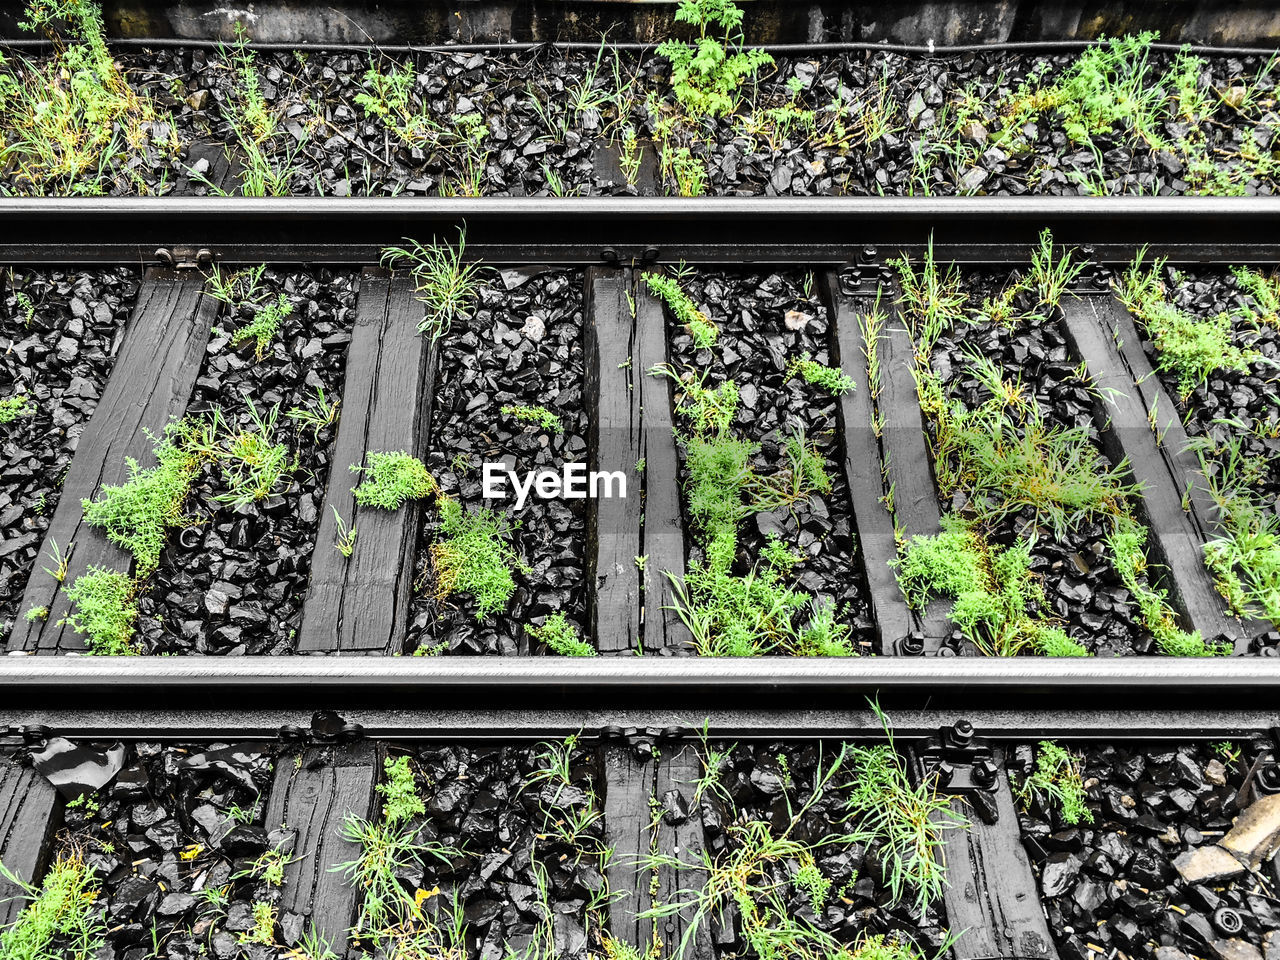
column 609, row 255
column 867, row 254
column 984, row 773
column 1268, row 777
column 962, row 732
column 165, row 256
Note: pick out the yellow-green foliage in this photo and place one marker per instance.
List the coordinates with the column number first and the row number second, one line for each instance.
column 996, row 596
column 63, row 920
column 68, row 122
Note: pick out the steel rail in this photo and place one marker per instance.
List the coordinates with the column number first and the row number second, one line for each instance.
column 759, row 230
column 689, row 685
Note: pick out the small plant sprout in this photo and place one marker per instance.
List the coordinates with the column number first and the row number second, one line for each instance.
column 264, row 925
column 345, row 542
column 558, row 635
column 446, row 283
column 241, row 286
column 61, row 560
column 103, row 608
column 400, row 791
column 265, row 325
column 540, row 416
column 37, row 613
column 685, row 311
column 11, row 408
column 318, row 415
column 831, row 379
column 392, row 479
column 1057, row 779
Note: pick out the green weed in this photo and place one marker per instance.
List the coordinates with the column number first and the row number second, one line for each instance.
column 446, row 283
column 1007, row 456
column 831, row 379
column 1057, row 777
column 1245, row 556
column 252, row 463
column 907, row 822
column 707, row 75
column 1114, row 88
column 389, row 97
column 103, row 609
column 318, row 416
column 1261, row 302
column 996, row 596
column 685, row 311
column 68, row 124
column 136, row 514
column 265, row 326
column 1190, row 347
column 401, row 791
column 62, row 919
column 392, row 479
column 472, row 556
column 559, row 636
column 1126, row 540
column 11, row 408
column 537, row 415
column 744, row 615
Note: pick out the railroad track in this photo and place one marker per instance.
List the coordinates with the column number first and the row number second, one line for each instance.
column 640, row 779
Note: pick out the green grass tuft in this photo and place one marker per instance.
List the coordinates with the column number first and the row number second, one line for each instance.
column 473, row 556
column 996, row 596
column 63, row 920
column 103, row 608
column 1190, row 347
column 1057, row 777
column 559, row 636
column 447, row 284
column 392, row 479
